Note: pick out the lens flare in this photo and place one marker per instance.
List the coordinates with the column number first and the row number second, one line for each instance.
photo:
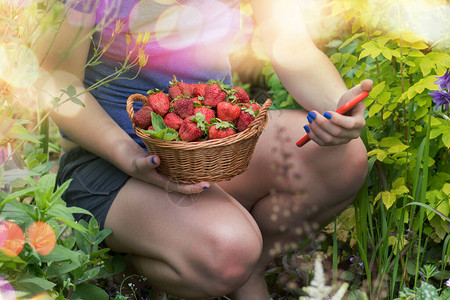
column 6, row 290
column 19, row 3
column 19, row 65
column 429, row 22
column 42, row 296
column 15, row 240
column 41, row 237
column 284, row 55
column 245, row 34
column 171, row 31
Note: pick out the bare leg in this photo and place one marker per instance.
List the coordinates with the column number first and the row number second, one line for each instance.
column 190, row 246
column 291, row 190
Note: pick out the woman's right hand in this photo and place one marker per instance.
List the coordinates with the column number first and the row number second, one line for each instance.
column 144, row 168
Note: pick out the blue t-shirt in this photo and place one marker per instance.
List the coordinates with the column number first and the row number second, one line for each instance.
column 187, row 38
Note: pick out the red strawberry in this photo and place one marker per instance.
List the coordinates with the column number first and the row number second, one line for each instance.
column 173, row 120
column 178, row 89
column 199, row 89
column 244, row 120
column 159, row 102
column 221, row 130
column 197, row 100
column 241, row 95
column 247, row 116
column 214, row 95
column 227, row 111
column 207, row 112
column 143, row 118
column 184, row 107
column 189, row 131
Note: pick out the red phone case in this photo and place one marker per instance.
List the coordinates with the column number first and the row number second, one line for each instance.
column 341, row 110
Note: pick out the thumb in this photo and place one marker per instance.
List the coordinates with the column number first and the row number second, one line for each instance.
column 366, row 85
column 148, row 162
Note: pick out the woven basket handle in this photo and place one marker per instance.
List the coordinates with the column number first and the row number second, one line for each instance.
column 130, row 103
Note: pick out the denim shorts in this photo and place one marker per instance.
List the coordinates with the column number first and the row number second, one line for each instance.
column 95, row 183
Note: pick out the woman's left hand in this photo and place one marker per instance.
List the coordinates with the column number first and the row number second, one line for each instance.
column 332, row 128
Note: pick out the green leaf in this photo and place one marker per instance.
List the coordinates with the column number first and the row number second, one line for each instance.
column 100, row 236
column 60, row 190
column 426, row 65
column 446, row 189
column 427, row 291
column 446, row 139
column 376, row 107
column 351, row 39
column 161, row 131
column 435, row 132
column 376, row 90
column 430, row 208
column 40, row 282
column 388, row 198
column 387, row 53
column 380, row 154
column 390, row 141
column 76, row 101
column 71, row 224
column 60, row 253
column 158, row 122
column 397, row 149
column 384, row 97
column 370, row 48
column 88, row 291
column 71, row 91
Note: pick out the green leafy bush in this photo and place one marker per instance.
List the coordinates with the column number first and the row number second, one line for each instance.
column 399, row 221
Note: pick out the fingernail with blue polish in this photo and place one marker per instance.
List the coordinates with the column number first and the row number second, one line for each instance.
column 153, row 160
column 309, row 119
column 312, row 115
column 206, row 187
column 306, row 128
column 327, row 115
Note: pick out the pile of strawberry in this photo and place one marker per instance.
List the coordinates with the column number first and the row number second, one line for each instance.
column 196, row 111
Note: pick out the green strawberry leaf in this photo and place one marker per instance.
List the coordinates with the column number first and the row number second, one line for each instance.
column 222, row 124
column 249, row 109
column 157, row 122
column 200, row 119
column 160, row 130
column 155, row 91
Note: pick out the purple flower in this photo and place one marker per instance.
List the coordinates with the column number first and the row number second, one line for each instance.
column 441, row 98
column 444, row 81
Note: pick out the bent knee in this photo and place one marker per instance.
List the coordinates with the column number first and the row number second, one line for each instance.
column 354, row 165
column 226, row 259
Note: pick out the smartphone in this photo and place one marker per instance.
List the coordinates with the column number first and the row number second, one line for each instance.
column 341, row 110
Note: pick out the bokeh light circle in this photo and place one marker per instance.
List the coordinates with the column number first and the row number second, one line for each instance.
column 171, row 31
column 3, row 233
column 19, row 65
column 15, row 240
column 6, row 290
column 41, row 237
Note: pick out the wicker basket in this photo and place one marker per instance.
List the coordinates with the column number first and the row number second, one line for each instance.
column 212, row 160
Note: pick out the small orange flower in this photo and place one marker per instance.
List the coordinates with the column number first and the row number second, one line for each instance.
column 15, row 240
column 41, row 237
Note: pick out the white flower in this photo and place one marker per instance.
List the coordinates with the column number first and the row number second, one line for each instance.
column 318, row 290
column 447, row 283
